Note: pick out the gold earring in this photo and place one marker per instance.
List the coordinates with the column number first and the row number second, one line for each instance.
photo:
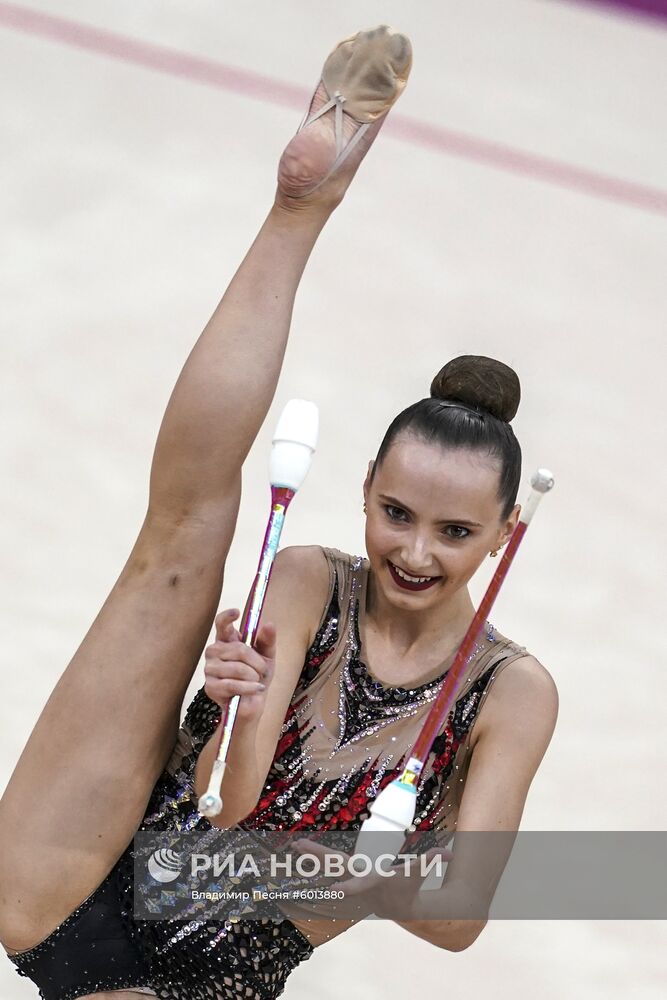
column 365, row 511
column 494, row 553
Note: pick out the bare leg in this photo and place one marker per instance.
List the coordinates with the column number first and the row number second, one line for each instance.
column 83, row 780
column 81, row 785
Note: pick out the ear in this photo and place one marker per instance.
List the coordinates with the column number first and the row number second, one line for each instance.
column 510, row 524
column 367, row 481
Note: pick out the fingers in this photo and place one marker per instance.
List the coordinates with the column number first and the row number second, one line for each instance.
column 219, row 670
column 223, row 688
column 232, row 667
column 265, row 639
column 224, row 630
column 440, row 852
column 225, row 680
column 237, row 653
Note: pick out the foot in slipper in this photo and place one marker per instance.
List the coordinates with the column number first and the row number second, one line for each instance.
column 361, row 80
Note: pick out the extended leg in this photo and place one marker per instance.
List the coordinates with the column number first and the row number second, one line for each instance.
column 82, row 782
column 79, row 790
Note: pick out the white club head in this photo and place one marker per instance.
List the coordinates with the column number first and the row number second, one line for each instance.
column 209, row 805
column 391, row 814
column 394, row 808
column 294, row 443
column 542, row 481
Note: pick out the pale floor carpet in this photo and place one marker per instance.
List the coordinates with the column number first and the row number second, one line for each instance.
column 129, row 197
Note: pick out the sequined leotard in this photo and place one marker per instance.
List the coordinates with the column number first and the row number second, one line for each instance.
column 344, row 737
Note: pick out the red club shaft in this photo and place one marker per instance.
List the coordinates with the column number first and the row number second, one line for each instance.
column 280, row 501
column 443, row 703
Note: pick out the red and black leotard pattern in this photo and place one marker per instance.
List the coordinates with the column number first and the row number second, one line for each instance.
column 290, row 801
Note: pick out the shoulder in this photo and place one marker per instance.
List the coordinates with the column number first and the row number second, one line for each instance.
column 300, row 559
column 314, row 565
column 301, row 581
column 522, row 704
column 304, row 567
column 527, row 674
column 302, row 563
column 518, row 726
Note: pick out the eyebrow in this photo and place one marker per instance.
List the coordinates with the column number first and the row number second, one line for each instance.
column 464, row 522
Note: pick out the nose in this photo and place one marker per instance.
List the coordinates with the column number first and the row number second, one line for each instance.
column 416, row 555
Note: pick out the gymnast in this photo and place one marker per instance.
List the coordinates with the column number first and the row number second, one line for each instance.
column 350, row 655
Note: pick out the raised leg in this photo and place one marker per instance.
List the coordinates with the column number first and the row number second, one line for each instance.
column 80, row 787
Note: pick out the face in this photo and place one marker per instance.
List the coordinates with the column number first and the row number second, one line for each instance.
column 433, row 516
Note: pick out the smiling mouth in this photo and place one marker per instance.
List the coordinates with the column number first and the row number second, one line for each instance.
column 407, row 582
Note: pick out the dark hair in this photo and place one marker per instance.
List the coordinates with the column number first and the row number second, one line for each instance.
column 472, row 402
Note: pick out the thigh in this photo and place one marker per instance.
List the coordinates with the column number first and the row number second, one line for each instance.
column 80, row 788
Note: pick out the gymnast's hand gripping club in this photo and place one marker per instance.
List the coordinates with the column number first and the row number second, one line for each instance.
column 294, row 443
column 393, row 810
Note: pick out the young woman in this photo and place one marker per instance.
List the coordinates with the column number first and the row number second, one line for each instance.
column 320, row 731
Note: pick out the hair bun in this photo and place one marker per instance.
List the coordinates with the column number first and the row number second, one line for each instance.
column 482, row 382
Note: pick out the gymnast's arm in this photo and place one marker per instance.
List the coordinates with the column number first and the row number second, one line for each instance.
column 517, row 723
column 295, row 598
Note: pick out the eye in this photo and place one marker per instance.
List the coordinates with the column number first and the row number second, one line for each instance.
column 395, row 513
column 456, row 531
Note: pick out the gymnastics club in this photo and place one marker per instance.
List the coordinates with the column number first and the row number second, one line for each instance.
column 294, row 443
column 393, row 810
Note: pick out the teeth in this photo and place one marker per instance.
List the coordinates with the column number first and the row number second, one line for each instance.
column 411, row 579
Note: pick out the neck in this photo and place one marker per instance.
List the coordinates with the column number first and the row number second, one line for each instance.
column 413, row 631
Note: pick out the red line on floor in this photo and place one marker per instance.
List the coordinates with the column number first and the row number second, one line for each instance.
column 632, row 8
column 240, row 81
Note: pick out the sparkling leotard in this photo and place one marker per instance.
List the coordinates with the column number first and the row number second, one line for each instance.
column 345, row 737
